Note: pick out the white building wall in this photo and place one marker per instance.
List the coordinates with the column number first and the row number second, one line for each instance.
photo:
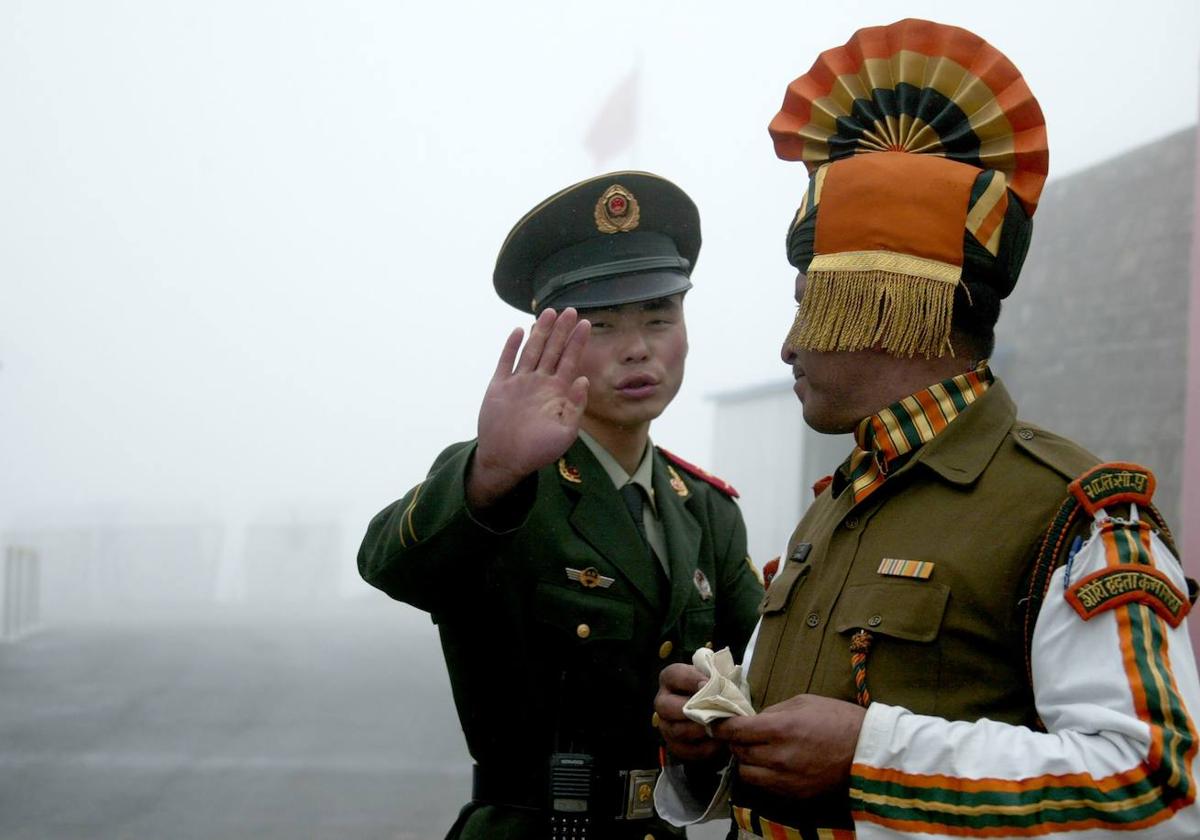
column 763, row 448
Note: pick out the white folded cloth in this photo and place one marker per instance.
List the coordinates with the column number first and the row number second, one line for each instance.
column 726, row 693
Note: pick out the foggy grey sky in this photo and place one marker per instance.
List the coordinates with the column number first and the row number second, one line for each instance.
column 246, row 248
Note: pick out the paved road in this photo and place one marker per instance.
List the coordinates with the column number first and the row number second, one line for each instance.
column 232, row 726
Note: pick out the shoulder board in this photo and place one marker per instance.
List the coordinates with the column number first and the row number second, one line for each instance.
column 695, row 472
column 1114, row 483
column 1064, row 456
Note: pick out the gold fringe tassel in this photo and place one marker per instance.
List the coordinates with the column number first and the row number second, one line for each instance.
column 857, row 309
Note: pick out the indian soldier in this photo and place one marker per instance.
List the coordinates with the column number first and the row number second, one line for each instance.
column 977, row 629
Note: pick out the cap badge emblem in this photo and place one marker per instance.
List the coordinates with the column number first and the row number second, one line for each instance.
column 589, row 578
column 617, row 211
column 568, row 472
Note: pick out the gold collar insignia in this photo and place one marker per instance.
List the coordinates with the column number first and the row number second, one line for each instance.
column 568, row 472
column 677, row 483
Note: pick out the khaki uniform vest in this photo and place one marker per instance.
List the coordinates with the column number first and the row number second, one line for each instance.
column 975, row 502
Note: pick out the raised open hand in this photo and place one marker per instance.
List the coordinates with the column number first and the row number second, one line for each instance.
column 530, row 412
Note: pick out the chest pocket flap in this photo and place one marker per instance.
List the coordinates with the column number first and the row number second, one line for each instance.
column 901, row 609
column 605, row 618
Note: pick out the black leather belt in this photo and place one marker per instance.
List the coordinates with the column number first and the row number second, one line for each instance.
column 617, row 794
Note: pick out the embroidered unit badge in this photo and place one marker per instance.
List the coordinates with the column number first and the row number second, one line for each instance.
column 1113, row 483
column 1112, row 587
column 1128, row 577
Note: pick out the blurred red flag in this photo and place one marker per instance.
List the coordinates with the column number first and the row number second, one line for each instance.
column 615, row 125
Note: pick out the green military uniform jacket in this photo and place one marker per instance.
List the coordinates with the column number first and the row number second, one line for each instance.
column 540, row 662
column 975, row 501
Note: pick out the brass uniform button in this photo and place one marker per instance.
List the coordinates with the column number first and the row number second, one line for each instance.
column 665, row 649
column 648, row 837
column 655, row 720
column 583, row 631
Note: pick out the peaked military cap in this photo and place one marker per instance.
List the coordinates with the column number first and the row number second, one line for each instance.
column 623, row 237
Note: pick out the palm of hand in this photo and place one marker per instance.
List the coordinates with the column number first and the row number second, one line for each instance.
column 530, row 413
column 530, row 417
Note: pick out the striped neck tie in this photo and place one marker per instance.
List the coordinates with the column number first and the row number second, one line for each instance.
column 887, row 439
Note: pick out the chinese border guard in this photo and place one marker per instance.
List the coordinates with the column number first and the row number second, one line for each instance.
column 977, row 630
column 564, row 557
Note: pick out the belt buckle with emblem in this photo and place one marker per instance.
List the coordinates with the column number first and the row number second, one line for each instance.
column 639, row 793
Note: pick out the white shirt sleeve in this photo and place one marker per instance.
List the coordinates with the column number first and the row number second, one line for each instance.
column 1116, row 687
column 678, row 804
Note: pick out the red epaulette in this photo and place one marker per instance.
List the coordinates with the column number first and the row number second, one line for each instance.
column 770, row 570
column 820, row 484
column 694, row 471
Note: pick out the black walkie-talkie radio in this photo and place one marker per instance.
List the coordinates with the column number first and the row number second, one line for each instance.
column 570, row 795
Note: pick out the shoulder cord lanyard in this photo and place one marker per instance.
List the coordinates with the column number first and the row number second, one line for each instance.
column 860, row 648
